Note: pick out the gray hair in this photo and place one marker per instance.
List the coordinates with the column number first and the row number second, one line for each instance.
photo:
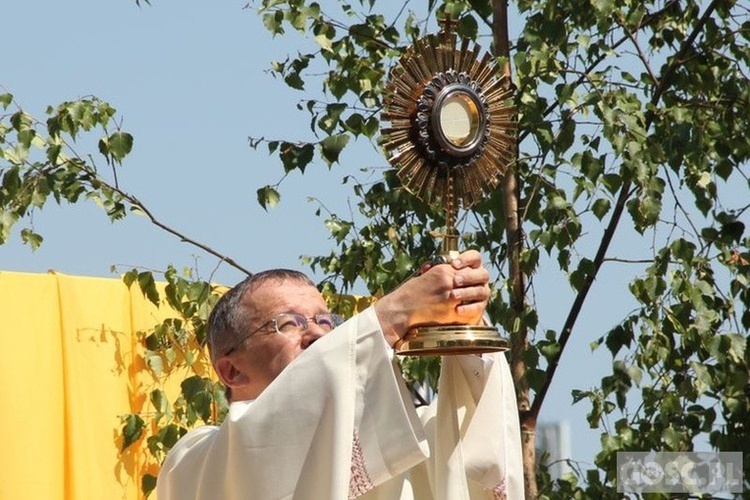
column 229, row 319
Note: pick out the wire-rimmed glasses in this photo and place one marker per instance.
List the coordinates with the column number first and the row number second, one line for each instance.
column 290, row 324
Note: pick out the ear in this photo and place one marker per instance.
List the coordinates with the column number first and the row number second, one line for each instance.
column 230, row 373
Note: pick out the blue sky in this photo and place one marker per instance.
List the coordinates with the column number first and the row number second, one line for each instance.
column 189, row 81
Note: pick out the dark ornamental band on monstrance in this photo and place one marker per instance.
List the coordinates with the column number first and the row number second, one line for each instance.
column 452, row 136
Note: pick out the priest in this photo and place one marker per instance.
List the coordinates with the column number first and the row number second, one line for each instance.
column 318, row 408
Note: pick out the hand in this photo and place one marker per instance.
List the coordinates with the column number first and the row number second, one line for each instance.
column 455, row 293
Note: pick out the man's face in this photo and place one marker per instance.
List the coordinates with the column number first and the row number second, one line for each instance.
column 266, row 353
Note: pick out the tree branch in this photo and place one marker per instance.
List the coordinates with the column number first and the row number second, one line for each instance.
column 646, row 21
column 135, row 202
column 641, row 55
column 624, row 194
column 514, row 233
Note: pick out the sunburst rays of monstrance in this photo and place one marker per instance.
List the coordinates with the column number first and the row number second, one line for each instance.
column 452, row 136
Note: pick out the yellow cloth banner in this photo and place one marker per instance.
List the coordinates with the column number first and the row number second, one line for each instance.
column 70, row 371
column 73, row 367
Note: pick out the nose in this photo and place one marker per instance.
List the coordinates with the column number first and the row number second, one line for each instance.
column 311, row 334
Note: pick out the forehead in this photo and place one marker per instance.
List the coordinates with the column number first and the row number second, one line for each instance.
column 276, row 296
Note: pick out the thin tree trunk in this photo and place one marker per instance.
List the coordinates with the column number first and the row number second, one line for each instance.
column 514, row 234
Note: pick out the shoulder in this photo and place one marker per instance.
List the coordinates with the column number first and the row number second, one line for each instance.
column 196, row 441
column 181, row 469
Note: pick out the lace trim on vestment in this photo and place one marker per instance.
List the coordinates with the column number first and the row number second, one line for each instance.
column 359, row 481
column 499, row 492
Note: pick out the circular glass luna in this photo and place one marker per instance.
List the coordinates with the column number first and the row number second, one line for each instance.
column 458, row 120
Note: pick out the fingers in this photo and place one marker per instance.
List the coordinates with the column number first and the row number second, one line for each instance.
column 467, row 279
column 471, row 279
column 471, row 276
column 469, row 294
column 467, row 259
column 473, row 311
column 425, row 267
column 471, row 286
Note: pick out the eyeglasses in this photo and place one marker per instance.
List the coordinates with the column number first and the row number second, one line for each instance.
column 290, row 324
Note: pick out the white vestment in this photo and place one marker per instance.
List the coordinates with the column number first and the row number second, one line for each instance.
column 339, row 423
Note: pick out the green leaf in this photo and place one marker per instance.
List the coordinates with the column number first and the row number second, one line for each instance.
column 165, row 439
column 198, row 291
column 191, row 386
column 160, row 401
column 737, row 346
column 651, row 208
column 295, row 81
column 21, row 121
column 324, row 42
column 132, row 430
column 31, row 238
column 148, row 484
column 338, row 228
column 536, row 378
column 703, row 380
column 268, row 197
column 601, row 207
column 272, row 21
column 120, row 145
column 578, row 395
column 155, row 362
column 372, row 125
column 296, row 156
column 673, row 438
column 549, row 349
column 635, row 374
column 565, row 137
column 733, row 231
column 197, row 393
column 130, row 277
column 354, row 123
column 585, row 270
column 467, row 27
column 298, row 20
column 404, row 263
column 331, row 147
column 5, row 100
column 612, row 182
column 617, row 338
column 330, row 120
column 148, row 287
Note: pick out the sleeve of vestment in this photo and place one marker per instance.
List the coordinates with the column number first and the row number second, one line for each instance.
column 473, row 433
column 335, row 423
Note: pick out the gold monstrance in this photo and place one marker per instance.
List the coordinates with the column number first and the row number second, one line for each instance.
column 452, row 135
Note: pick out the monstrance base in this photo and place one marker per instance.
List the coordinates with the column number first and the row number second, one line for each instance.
column 451, row 339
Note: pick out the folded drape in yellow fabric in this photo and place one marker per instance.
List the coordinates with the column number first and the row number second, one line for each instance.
column 70, row 370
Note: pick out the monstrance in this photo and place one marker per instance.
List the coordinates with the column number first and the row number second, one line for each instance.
column 451, row 136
